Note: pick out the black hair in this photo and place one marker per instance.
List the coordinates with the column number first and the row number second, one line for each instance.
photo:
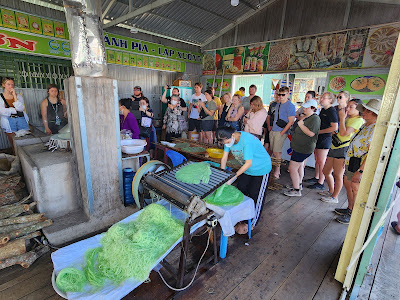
column 127, row 102
column 253, row 86
column 224, row 132
column 145, row 99
column 312, row 93
column 242, row 89
column 357, row 101
column 208, row 91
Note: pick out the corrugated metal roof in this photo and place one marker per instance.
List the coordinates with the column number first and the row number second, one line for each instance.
column 193, row 21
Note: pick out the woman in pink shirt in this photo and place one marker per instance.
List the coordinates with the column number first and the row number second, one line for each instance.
column 255, row 118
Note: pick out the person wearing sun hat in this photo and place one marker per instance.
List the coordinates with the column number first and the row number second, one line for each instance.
column 303, row 143
column 356, row 157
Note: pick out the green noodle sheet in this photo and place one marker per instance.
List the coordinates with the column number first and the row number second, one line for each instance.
column 225, row 195
column 194, row 173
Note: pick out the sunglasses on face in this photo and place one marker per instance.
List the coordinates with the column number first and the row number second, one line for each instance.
column 340, row 97
column 282, row 95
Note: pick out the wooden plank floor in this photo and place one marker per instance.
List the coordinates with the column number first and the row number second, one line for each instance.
column 292, row 254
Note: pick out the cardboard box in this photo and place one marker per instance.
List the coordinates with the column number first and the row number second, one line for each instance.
column 178, row 82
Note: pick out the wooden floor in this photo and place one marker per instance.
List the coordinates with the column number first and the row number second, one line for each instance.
column 292, row 254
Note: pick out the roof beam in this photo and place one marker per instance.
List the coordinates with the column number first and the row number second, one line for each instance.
column 208, row 11
column 137, row 12
column 248, row 4
column 382, row 1
column 107, row 8
column 239, row 20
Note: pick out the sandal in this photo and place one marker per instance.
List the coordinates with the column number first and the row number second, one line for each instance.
column 394, row 225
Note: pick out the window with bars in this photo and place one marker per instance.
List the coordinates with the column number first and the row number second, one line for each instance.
column 34, row 71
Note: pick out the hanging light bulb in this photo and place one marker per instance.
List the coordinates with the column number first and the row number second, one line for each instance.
column 234, row 2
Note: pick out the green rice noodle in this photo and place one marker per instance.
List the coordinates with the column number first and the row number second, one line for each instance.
column 182, row 145
column 194, row 149
column 130, row 250
column 194, row 173
column 225, row 195
column 70, row 280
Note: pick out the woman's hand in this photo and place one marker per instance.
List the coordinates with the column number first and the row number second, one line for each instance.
column 356, row 177
column 300, row 122
column 141, row 109
column 245, row 120
column 47, row 131
column 164, row 126
column 342, row 113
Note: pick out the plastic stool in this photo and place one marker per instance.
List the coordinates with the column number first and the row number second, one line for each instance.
column 223, row 247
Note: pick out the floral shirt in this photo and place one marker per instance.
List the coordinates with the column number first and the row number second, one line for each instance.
column 171, row 119
column 360, row 143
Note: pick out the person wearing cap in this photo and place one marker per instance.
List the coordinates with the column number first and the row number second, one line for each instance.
column 356, row 157
column 304, row 140
column 136, row 97
column 350, row 121
column 137, row 93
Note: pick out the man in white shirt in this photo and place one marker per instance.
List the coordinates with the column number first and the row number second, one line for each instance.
column 194, row 118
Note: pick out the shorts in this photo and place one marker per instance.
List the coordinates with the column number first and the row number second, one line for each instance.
column 195, row 124
column 324, row 142
column 266, row 137
column 276, row 140
column 339, row 153
column 215, row 125
column 348, row 173
column 299, row 157
column 208, row 125
column 18, row 124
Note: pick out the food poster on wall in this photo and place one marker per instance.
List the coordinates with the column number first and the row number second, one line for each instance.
column 358, row 84
column 125, row 58
column 132, row 60
column 229, row 59
column 22, row 21
column 168, row 65
column 8, row 18
column 35, row 24
column 329, row 51
column 256, row 58
column 209, row 62
column 59, row 29
column 48, row 28
column 111, row 56
column 380, row 47
column 162, row 63
column 157, row 63
column 354, row 48
column 278, row 57
column 151, row 62
column 118, row 57
column 300, row 88
column 173, row 65
column 139, row 61
column 179, row 67
column 226, row 84
column 145, row 61
column 302, row 53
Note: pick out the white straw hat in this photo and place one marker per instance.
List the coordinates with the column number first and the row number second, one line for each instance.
column 373, row 105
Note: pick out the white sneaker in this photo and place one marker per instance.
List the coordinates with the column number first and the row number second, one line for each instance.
column 290, row 187
column 293, row 193
column 325, row 193
column 329, row 200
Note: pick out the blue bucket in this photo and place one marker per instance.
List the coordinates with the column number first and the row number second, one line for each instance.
column 128, row 175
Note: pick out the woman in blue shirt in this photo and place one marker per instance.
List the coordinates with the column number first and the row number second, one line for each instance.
column 252, row 177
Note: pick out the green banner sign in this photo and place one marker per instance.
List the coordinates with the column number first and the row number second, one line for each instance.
column 32, row 44
column 117, row 42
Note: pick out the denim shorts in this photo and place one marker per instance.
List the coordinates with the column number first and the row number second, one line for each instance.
column 18, row 124
column 299, row 157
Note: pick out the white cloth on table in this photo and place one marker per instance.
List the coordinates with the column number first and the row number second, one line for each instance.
column 73, row 256
column 228, row 216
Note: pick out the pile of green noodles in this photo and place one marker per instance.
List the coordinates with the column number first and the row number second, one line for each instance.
column 182, row 145
column 193, row 149
column 129, row 250
column 194, row 173
column 225, row 195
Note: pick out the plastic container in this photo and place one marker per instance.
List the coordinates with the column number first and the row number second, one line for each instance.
column 133, row 146
column 128, row 175
column 215, row 152
column 195, row 137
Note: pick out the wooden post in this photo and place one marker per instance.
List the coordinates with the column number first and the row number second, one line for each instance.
column 94, row 121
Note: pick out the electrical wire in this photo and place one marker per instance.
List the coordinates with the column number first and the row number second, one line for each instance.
column 195, row 272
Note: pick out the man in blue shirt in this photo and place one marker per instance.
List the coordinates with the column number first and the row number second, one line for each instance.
column 283, row 119
column 252, row 177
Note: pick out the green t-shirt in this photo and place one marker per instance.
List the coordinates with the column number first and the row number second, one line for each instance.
column 211, row 105
column 303, row 143
column 354, row 122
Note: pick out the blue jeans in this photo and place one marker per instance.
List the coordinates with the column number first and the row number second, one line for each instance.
column 18, row 124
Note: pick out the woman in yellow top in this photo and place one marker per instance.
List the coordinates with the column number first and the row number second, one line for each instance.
column 350, row 122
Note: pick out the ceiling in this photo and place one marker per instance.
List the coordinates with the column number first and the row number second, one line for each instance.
column 196, row 22
column 190, row 21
